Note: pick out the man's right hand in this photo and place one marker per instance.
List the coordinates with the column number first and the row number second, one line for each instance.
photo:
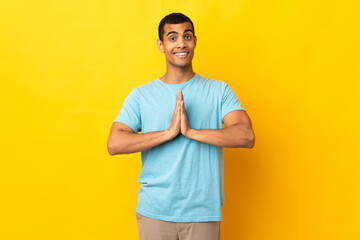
column 123, row 139
column 174, row 129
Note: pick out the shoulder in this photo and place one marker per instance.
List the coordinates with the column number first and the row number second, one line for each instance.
column 214, row 83
column 148, row 86
column 143, row 89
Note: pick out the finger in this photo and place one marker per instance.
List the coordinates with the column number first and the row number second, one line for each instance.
column 183, row 109
column 180, row 110
column 179, row 106
column 177, row 101
column 181, row 95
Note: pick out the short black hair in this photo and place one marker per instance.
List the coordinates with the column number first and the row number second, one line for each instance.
column 173, row 18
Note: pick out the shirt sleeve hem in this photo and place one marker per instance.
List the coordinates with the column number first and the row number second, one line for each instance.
column 129, row 125
column 231, row 110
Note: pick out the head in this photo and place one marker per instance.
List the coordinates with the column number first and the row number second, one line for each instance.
column 177, row 39
column 173, row 18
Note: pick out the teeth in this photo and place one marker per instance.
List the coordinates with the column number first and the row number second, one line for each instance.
column 182, row 54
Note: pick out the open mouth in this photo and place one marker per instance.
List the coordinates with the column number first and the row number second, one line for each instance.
column 181, row 54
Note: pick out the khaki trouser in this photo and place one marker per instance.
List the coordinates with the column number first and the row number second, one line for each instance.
column 153, row 229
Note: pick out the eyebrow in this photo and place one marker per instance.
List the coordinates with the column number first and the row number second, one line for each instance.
column 186, row 30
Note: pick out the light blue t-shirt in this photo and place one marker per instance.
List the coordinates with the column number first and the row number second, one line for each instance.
column 182, row 179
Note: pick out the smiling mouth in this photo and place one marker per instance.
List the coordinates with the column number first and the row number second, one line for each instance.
column 181, row 54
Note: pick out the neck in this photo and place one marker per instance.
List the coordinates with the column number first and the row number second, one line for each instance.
column 176, row 75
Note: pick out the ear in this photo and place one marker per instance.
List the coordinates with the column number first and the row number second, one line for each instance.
column 195, row 39
column 160, row 45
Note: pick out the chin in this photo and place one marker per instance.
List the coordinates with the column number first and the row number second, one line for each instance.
column 183, row 65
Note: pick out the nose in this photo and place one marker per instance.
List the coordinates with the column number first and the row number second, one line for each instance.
column 182, row 43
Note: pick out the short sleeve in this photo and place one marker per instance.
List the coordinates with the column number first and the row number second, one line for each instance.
column 130, row 112
column 230, row 101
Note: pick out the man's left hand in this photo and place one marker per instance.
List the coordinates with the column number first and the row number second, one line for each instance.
column 185, row 126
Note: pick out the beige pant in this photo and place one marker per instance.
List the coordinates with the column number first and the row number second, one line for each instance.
column 153, row 229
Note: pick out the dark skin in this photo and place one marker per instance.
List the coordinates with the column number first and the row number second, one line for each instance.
column 178, row 46
column 177, row 39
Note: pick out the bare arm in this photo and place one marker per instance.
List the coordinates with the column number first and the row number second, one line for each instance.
column 123, row 140
column 237, row 133
column 238, row 130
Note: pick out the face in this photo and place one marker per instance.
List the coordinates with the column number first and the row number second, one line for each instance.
column 178, row 44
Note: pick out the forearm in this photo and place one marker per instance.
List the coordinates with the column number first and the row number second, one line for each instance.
column 125, row 142
column 233, row 136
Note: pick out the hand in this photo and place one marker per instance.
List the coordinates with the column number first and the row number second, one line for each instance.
column 174, row 129
column 185, row 126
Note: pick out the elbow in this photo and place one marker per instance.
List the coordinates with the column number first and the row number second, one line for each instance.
column 246, row 138
column 117, row 144
column 111, row 150
column 251, row 140
column 114, row 149
column 251, row 143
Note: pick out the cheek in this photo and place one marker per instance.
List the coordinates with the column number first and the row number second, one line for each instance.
column 169, row 55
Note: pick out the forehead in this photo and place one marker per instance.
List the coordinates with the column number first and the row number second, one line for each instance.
column 179, row 27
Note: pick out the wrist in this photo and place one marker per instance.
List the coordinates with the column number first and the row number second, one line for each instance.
column 169, row 134
column 190, row 133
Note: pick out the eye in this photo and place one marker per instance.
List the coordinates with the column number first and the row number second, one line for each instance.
column 172, row 39
column 187, row 37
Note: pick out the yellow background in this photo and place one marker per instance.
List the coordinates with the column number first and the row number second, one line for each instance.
column 67, row 66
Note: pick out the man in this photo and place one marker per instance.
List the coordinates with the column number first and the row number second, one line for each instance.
column 180, row 116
